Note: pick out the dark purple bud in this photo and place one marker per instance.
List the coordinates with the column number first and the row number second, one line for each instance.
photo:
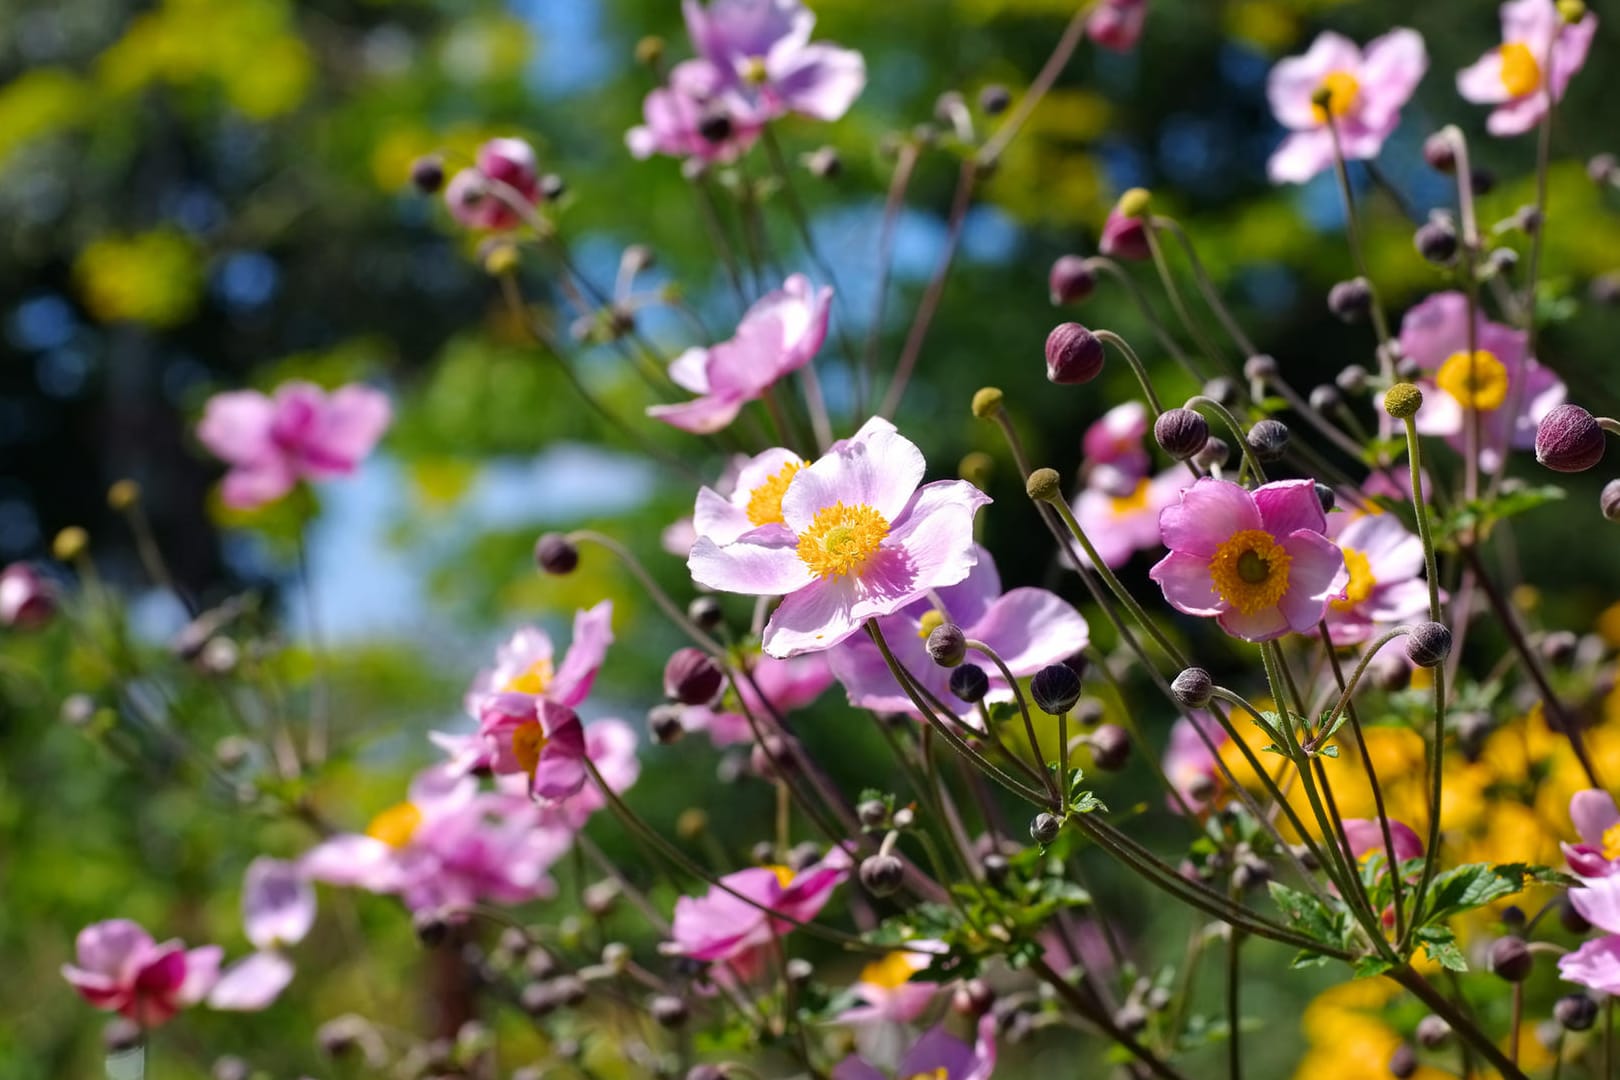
column 427, row 173
column 873, row 813
column 824, row 163
column 715, row 126
column 1192, row 688
column 552, row 187
column 1569, row 439
column 1439, row 153
column 1403, row 1063
column 1070, row 280
column 1214, row 454
column 1482, row 180
column 973, row 998
column 1073, row 355
column 1601, row 168
column 1352, row 380
column 664, row 724
column 27, row 600
column 798, row 971
column 668, row 1011
column 1350, row 300
column 1223, row 390
column 1432, row 1032
column 1559, row 647
column 431, row 927
column 970, row 683
column 1511, row 959
column 692, row 677
column 1181, row 433
column 1044, row 829
column 1436, row 241
column 1609, row 500
column 1259, row 367
column 1428, row 644
column 556, row 554
column 1268, row 439
column 1055, row 689
column 1110, row 747
column 1325, row 398
column 994, row 99
column 947, row 645
column 1325, row 496
column 1605, row 289
column 1570, row 919
column 706, row 612
column 881, row 874
column 1576, row 1012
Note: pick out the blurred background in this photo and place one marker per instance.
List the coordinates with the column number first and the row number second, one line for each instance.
column 199, row 195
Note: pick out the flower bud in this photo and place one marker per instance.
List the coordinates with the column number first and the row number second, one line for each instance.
column 123, row 495
column 1439, row 153
column 1571, row 11
column 1073, row 355
column 26, row 599
column 1131, row 1018
column 1055, row 689
column 1124, row 237
column 1135, row 202
column 668, row 1011
column 1044, row 829
column 1576, row 1012
column 1325, row 497
column 1110, row 747
column 994, row 99
column 773, row 757
column 1511, row 959
column 1482, row 180
column 873, row 813
column 706, row 612
column 1192, row 688
column 1601, row 168
column 692, row 677
column 1571, row 919
column 1070, row 280
column 1403, row 400
column 1214, row 454
column 1569, row 439
column 1428, row 644
column 798, row 971
column 1403, row 1063
column 1222, row 390
column 1436, row 241
column 664, row 724
column 427, row 174
column 996, row 869
column 1259, row 367
column 431, row 927
column 556, row 554
column 1559, row 647
column 1502, row 260
column 947, row 645
column 1325, row 398
column 905, row 818
column 78, row 710
column 650, row 50
column 1181, row 433
column 1432, row 1032
column 714, row 124
column 1352, row 380
column 970, row 683
column 1609, row 500
column 986, row 402
column 70, row 543
column 1268, row 439
column 230, row 1067
column 1351, row 300
column 1044, row 485
column 119, row 1036
column 552, row 187
column 881, row 874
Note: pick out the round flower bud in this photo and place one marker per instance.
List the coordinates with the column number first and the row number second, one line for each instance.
column 1223, row 390
column 1503, row 260
column 986, row 402
column 1351, row 300
column 1325, row 397
column 1511, row 959
column 692, row 677
column 1352, row 380
column 1044, row 829
column 1043, row 485
column 1530, row 220
column 1135, row 202
column 1513, row 917
column 1070, row 280
column 1403, row 400
column 1325, row 497
column 715, row 125
column 881, row 875
column 1055, row 689
column 1576, row 1012
column 824, row 163
column 1268, row 439
column 772, row 757
column 706, row 612
column 230, row 1067
column 427, row 173
column 1214, row 454
column 1192, row 688
column 123, row 495
column 1259, row 367
column 431, row 927
column 1482, row 180
column 667, row 1010
column 970, row 683
column 1605, row 289
column 1436, row 241
column 1559, row 647
column 650, row 50
column 552, row 187
column 556, row 554
column 996, row 869
column 1428, row 644
column 976, row 467
column 119, row 1036
column 873, row 813
column 70, row 543
column 1073, row 355
column 1110, row 747
column 798, row 971
column 1403, row 1063
column 905, row 818
column 1131, row 1018
column 994, row 99
column 1432, row 1032
column 1601, row 168
column 1609, row 500
column 947, row 645
column 1439, row 153
column 27, row 600
column 973, row 998
column 664, row 724
column 1569, row 918
column 1571, row 11
column 1181, row 433
column 1569, row 439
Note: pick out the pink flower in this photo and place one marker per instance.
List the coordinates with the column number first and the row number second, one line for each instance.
column 937, row 1055
column 888, row 994
column 1366, row 837
column 1597, row 823
column 1255, row 560
column 477, row 197
column 1124, row 519
column 278, row 905
column 859, row 539
column 1510, row 391
column 26, row 599
column 1117, row 24
column 1539, row 51
column 525, row 663
column 786, row 685
column 1596, row 964
column 763, row 53
column 1116, row 439
column 611, row 746
column 119, row 968
column 1188, row 763
column 719, row 926
column 1384, row 562
column 1028, row 628
column 778, row 335
column 1365, row 93
column 536, row 737
column 302, row 433
column 755, row 499
column 697, row 115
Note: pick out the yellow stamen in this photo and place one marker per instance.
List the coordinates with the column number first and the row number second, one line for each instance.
column 1611, row 842
column 534, row 679
column 765, row 501
column 396, row 825
column 1362, row 581
column 1250, row 571
column 941, row 1073
column 1481, row 385
column 932, row 620
column 1521, row 74
column 1341, row 89
column 842, row 538
column 895, row 969
column 753, row 70
column 784, row 874
column 528, row 741
column 1123, row 505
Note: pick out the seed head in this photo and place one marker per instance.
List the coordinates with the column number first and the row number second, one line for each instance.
column 1403, row 400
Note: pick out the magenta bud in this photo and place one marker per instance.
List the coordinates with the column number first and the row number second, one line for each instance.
column 1073, row 355
column 26, row 599
column 1569, row 439
column 691, row 677
column 1124, row 237
column 1070, row 280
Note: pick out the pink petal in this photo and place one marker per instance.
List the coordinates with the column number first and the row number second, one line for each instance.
column 1209, row 512
column 819, row 81
column 815, row 617
column 354, row 861
column 1481, row 81
column 1598, row 901
column 202, row 972
column 278, row 905
column 1300, row 157
column 1031, row 628
column 352, row 422
column 1595, row 964
column 1517, row 116
column 1263, row 625
column 879, row 468
column 252, row 983
column 1289, row 505
column 1316, row 573
column 700, row 416
column 1292, row 81
column 1593, row 813
column 1187, row 585
column 753, row 569
column 106, row 948
column 593, row 633
column 235, row 426
column 1392, row 67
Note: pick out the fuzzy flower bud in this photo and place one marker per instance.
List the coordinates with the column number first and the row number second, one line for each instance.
column 1259, row 367
column 1110, row 747
column 1213, row 454
column 1432, row 1032
column 1325, row 397
column 427, row 174
column 1055, row 689
column 1352, row 380
column 1511, row 959
column 1325, row 496
column 1073, row 355
column 1403, row 400
column 970, row 683
column 1268, row 439
column 1044, row 485
column 1436, row 241
column 1192, row 688
column 947, row 645
column 664, row 724
column 1135, row 202
column 556, row 554
column 1181, row 433
column 1403, row 1063
column 26, row 599
column 1439, row 153
column 1428, row 644
column 123, row 495
column 1576, row 1012
column 1070, row 280
column 1569, row 439
column 881, row 874
column 994, row 99
column 691, row 677
column 1350, row 300
column 70, row 543
column 986, row 401
column 1044, row 829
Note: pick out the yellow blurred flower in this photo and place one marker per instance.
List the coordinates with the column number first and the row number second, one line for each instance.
column 40, row 103
column 153, row 278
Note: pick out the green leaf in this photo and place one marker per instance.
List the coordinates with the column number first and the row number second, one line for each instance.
column 1369, row 966
column 1310, row 916
column 1465, row 888
column 1441, row 945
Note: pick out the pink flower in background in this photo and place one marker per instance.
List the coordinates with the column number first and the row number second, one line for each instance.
column 763, row 53
column 719, row 926
column 525, row 664
column 1116, row 439
column 1028, row 628
column 755, row 501
column 1117, row 24
column 1596, row 964
column 1511, row 392
column 301, row 433
column 476, row 197
column 1365, row 89
column 778, row 335
column 1120, row 514
column 786, row 685
column 119, row 968
column 1366, row 837
column 937, row 1055
column 278, row 905
column 1597, row 823
column 886, row 989
column 536, row 737
column 611, row 746
column 1189, row 764
column 1385, row 564
column 1255, row 560
column 26, row 599
column 1539, row 52
column 696, row 115
column 859, row 539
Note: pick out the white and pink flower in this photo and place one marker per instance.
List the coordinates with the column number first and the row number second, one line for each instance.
column 1532, row 67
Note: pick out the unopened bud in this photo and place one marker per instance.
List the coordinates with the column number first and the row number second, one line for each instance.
column 947, row 645
column 873, row 813
column 664, row 723
column 70, row 543
column 556, row 554
column 1074, row 355
column 1055, row 688
column 1135, row 202
column 706, row 612
column 1351, row 300
column 1428, row 644
column 1609, row 500
column 1352, row 379
column 973, row 998
column 1110, row 747
column 970, row 683
column 1044, row 485
column 1192, row 688
column 1259, row 367
column 1214, row 454
column 1403, row 1063
column 986, row 402
column 427, row 174
column 123, row 495
column 431, row 927
column 1511, row 959
column 1432, row 1032
column 1436, row 241
column 1569, row 439
column 1070, row 280
column 1268, row 439
column 994, row 99
column 881, row 875
column 1223, row 390
column 1181, row 433
column 1439, row 153
column 1044, row 828
column 798, row 971
column 1576, row 1012
column 1601, row 168
column 692, row 677
column 1325, row 496
column 1325, row 398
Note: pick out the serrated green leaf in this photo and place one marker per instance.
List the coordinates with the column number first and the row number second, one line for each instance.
column 1441, row 946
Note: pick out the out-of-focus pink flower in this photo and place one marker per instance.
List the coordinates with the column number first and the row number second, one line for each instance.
column 1124, row 237
column 1365, row 91
column 26, row 599
column 755, row 499
column 119, row 968
column 301, row 433
column 937, row 1055
column 1366, row 837
column 786, row 685
column 778, row 335
column 611, row 746
column 1028, row 628
column 763, row 52
column 1189, row 764
column 1597, row 823
column 525, row 664
column 1596, row 964
column 537, row 738
column 477, row 197
column 888, row 994
column 1256, row 561
column 719, row 926
column 1116, row 439
column 1117, row 24
column 696, row 115
column 859, row 539
column 1385, row 563
column 1120, row 523
column 1508, row 388
column 278, row 905
column 1539, row 52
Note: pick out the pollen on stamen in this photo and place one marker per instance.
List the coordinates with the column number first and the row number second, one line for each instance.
column 841, row 539
column 1250, row 571
column 765, row 501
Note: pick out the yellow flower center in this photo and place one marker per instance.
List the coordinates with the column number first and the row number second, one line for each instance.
column 396, row 825
column 753, row 70
column 1341, row 89
column 1520, row 72
column 1362, row 581
column 895, row 969
column 1122, row 505
column 765, row 501
column 1250, row 571
column 527, row 743
column 941, row 1073
column 842, row 538
column 534, row 679
column 932, row 620
column 784, row 874
column 1482, row 384
column 1611, row 842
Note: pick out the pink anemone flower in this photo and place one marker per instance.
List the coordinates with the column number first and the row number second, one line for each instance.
column 763, row 52
column 859, row 539
column 526, row 663
column 300, row 433
column 1117, row 24
column 1028, row 628
column 755, row 501
column 938, row 1055
column 887, row 991
column 1190, row 765
column 26, row 599
column 696, row 115
column 1511, row 392
column 476, row 203
column 1596, row 964
column 1597, row 823
column 1120, row 514
column 719, row 926
column 1366, row 837
column 610, row 745
column 782, row 687
column 1116, row 439
column 278, row 904
column 778, row 335
column 1365, row 91
column 119, row 968
column 1539, row 54
column 1255, row 560
column 1385, row 564
column 537, row 738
